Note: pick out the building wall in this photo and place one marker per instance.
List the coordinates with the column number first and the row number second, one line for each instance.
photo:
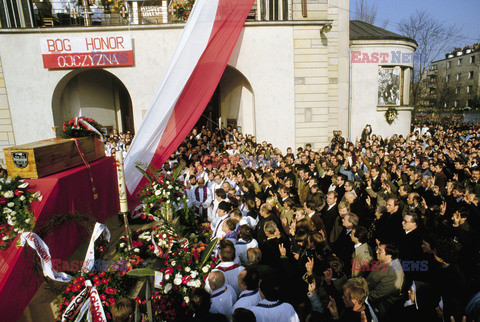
column 7, row 137
column 321, row 72
column 264, row 55
column 364, row 89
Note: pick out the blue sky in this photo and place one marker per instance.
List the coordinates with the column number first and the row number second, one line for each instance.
column 463, row 13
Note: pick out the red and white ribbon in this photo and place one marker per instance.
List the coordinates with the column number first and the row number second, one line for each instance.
column 77, row 308
column 96, row 307
column 81, row 120
column 88, row 297
column 43, row 252
column 89, row 261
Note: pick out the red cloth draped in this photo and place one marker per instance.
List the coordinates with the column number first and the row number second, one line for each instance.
column 65, row 192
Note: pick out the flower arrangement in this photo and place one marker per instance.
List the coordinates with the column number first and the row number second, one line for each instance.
column 182, row 10
column 79, row 127
column 164, row 198
column 15, row 214
column 113, row 5
column 111, row 285
column 391, row 114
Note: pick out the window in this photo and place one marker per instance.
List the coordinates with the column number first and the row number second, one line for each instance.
column 468, row 103
column 472, row 59
column 389, row 86
column 459, row 76
column 471, row 74
column 469, row 89
column 457, row 103
column 460, row 61
column 447, row 79
column 449, row 64
column 457, row 90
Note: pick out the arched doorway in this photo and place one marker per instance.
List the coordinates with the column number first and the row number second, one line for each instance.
column 95, row 93
column 237, row 101
column 232, row 103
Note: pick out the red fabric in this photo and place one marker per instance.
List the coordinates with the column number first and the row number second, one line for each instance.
column 65, row 192
column 229, row 20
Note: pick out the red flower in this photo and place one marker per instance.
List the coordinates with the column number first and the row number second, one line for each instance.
column 169, row 270
column 186, row 279
column 179, row 267
column 3, row 201
column 103, row 297
column 18, row 192
column 105, row 281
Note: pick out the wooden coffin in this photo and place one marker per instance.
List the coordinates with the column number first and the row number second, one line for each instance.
column 39, row 159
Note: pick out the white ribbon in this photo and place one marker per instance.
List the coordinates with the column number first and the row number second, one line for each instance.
column 89, row 127
column 89, row 261
column 88, row 297
column 77, row 308
column 43, row 252
column 96, row 307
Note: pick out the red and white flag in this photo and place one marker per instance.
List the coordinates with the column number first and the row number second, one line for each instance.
column 207, row 42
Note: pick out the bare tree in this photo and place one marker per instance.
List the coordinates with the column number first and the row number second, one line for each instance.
column 367, row 13
column 432, row 38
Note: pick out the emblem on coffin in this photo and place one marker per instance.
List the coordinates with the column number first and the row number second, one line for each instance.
column 20, row 159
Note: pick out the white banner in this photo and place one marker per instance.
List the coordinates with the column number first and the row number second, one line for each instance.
column 43, row 252
column 89, row 261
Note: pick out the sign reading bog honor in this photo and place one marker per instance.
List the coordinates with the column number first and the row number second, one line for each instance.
column 89, row 51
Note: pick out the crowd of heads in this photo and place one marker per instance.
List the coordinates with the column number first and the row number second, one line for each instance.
column 368, row 229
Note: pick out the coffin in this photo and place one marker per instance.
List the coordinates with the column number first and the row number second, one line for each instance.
column 39, row 159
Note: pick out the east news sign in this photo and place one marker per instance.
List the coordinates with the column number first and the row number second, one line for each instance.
column 91, row 51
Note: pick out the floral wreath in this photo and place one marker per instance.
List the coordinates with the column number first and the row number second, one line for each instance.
column 391, row 114
column 15, row 214
column 81, row 126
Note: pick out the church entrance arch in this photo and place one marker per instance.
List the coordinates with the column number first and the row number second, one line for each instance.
column 231, row 104
column 237, row 101
column 97, row 94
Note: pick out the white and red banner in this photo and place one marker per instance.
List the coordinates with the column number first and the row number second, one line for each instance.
column 43, row 252
column 207, row 42
column 89, row 51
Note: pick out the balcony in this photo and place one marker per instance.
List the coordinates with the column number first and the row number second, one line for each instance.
column 86, row 13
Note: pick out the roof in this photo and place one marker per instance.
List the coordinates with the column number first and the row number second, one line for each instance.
column 360, row 30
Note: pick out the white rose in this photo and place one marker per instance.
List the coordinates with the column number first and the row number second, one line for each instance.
column 197, row 283
column 15, row 229
column 122, row 245
column 190, row 283
column 22, row 198
column 11, row 221
column 186, row 299
column 167, row 277
column 178, row 275
column 136, row 250
column 174, row 263
column 9, row 194
column 27, row 221
column 6, row 210
column 187, row 269
column 170, row 186
column 194, row 274
column 5, row 238
column 158, row 192
column 10, row 204
column 205, row 269
column 177, row 281
column 168, row 288
column 23, row 185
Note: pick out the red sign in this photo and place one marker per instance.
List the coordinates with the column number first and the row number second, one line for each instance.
column 81, row 52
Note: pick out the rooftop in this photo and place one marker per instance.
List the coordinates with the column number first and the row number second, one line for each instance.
column 360, row 30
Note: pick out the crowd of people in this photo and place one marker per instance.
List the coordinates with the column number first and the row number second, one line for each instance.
column 380, row 229
column 118, row 142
